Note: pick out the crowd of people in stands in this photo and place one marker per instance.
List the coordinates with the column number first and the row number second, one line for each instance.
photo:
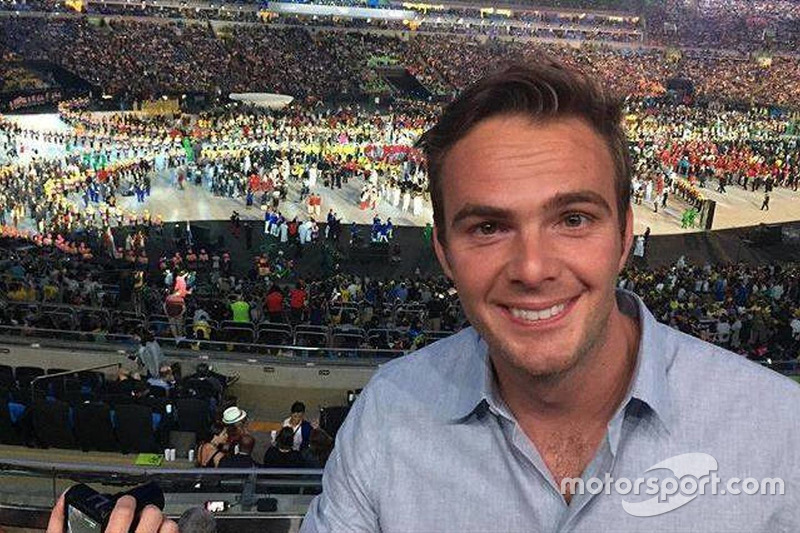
column 178, row 58
column 737, row 24
column 172, row 400
column 744, row 25
column 762, row 303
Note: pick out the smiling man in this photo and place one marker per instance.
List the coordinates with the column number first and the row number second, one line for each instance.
column 561, row 379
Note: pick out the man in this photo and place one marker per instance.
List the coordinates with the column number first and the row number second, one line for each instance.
column 165, row 379
column 242, row 455
column 297, row 302
column 301, row 428
column 240, row 310
column 560, row 377
column 274, row 303
column 149, row 354
column 174, row 308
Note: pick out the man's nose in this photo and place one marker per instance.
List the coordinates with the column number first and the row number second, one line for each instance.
column 533, row 259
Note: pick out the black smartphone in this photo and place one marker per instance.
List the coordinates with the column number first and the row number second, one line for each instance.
column 88, row 511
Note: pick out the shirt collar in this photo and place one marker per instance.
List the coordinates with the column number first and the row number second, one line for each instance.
column 477, row 383
column 653, row 360
column 649, row 384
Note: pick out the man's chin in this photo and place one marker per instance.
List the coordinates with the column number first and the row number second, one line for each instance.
column 535, row 365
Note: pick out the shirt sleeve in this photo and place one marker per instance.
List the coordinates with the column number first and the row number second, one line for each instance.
column 348, row 501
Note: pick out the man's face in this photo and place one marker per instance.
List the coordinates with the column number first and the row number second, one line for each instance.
column 533, row 242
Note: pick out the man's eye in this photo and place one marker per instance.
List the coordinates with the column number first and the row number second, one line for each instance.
column 576, row 220
column 486, row 228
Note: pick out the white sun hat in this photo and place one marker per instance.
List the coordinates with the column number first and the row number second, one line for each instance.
column 232, row 415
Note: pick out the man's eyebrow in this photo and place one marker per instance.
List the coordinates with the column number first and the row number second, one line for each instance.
column 480, row 211
column 561, row 200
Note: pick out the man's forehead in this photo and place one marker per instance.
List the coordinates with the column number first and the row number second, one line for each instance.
column 517, row 149
column 518, row 140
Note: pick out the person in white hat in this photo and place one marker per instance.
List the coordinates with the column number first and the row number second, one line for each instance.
column 233, row 415
column 234, row 420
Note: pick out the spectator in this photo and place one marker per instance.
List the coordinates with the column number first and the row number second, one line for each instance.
column 165, row 379
column 297, row 302
column 241, row 456
column 150, row 355
column 234, row 421
column 240, row 310
column 281, row 454
column 174, row 308
column 301, row 428
column 274, row 303
column 319, row 448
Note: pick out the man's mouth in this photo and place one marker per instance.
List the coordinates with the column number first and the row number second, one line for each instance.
column 536, row 314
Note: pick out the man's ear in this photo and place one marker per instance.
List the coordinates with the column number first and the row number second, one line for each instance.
column 627, row 239
column 441, row 254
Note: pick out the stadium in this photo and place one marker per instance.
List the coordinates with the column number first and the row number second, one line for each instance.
column 219, row 220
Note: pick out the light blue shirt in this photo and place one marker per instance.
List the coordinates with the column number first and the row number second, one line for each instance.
column 429, row 446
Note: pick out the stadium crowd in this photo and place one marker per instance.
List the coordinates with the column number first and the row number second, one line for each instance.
column 178, row 58
column 189, row 297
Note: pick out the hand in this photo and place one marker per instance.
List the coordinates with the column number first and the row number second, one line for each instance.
column 151, row 519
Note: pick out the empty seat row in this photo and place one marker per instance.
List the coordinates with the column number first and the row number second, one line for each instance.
column 125, row 427
column 25, row 382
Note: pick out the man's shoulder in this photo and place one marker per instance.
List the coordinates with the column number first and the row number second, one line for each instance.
column 727, row 379
column 432, row 369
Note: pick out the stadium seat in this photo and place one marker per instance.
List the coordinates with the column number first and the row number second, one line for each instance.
column 134, row 425
column 238, row 332
column 202, row 388
column 7, row 377
column 9, row 432
column 347, row 337
column 25, row 375
column 93, row 427
column 51, row 424
column 193, row 415
column 92, row 382
column 313, row 336
column 55, row 386
column 275, row 334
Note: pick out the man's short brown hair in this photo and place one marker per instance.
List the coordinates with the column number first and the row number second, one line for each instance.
column 540, row 91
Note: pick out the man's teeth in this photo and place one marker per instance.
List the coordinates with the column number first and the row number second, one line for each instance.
column 532, row 316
